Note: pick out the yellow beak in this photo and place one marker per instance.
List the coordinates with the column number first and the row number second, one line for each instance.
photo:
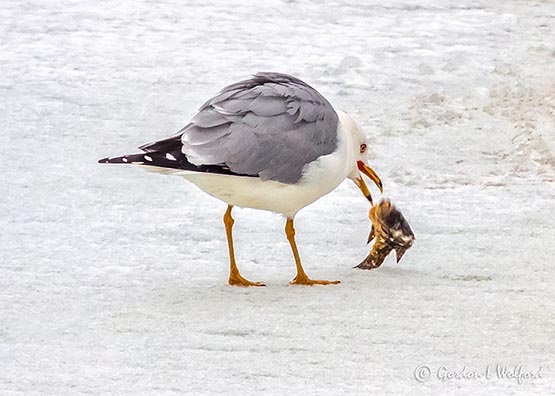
column 372, row 175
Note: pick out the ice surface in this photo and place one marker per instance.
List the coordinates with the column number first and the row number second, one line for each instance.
column 112, row 280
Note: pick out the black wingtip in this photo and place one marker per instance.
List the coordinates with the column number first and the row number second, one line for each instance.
column 124, row 159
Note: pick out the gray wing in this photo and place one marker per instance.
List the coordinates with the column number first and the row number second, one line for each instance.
column 269, row 126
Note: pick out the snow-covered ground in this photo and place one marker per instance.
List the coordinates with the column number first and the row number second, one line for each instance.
column 112, row 280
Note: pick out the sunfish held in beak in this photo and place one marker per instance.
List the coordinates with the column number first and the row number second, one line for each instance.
column 391, row 231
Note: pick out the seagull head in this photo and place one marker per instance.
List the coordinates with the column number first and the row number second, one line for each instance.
column 358, row 156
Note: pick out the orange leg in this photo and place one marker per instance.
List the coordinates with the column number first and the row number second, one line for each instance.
column 301, row 278
column 235, row 278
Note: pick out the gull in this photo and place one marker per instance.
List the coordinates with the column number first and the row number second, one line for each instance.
column 271, row 142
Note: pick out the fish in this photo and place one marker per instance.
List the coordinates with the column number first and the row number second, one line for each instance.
column 390, row 231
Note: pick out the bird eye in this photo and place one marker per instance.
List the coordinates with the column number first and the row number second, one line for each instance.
column 362, row 148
